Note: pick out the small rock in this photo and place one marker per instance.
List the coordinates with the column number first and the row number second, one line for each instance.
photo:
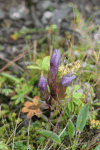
column 47, row 15
column 57, row 17
column 65, row 25
column 2, row 14
column 18, row 12
column 29, row 23
column 97, row 20
column 1, row 33
column 65, row 7
column 14, row 49
column 43, row 5
column 59, row 14
column 35, row 1
column 88, row 8
column 3, row 55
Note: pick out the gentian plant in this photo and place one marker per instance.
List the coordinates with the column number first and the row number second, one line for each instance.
column 57, row 87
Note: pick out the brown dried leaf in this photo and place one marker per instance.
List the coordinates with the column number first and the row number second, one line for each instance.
column 31, row 113
column 28, row 104
column 25, row 109
column 35, row 100
column 38, row 112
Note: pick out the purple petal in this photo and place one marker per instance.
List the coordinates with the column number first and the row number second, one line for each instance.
column 54, row 63
column 66, row 81
column 69, row 74
column 42, row 85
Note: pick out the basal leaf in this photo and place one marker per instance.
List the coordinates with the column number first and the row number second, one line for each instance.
column 71, row 129
column 77, row 101
column 70, row 106
column 46, row 63
column 82, row 117
column 78, row 95
column 47, row 134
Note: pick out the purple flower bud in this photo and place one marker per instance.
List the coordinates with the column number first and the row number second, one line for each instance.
column 42, row 85
column 54, row 63
column 66, row 81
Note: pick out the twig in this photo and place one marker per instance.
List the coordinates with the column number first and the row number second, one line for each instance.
column 8, row 61
column 13, row 61
column 35, row 50
column 28, row 135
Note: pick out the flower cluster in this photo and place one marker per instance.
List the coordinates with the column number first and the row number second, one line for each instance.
column 66, row 69
column 57, row 87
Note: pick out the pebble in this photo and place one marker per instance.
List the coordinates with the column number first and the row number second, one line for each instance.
column 43, row 5
column 47, row 15
column 59, row 14
column 2, row 14
column 18, row 12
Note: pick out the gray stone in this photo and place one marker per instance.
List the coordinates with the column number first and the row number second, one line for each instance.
column 35, row 1
column 64, row 25
column 59, row 14
column 3, row 55
column 43, row 5
column 14, row 49
column 57, row 17
column 18, row 12
column 88, row 8
column 96, row 13
column 1, row 33
column 28, row 23
column 64, row 6
column 47, row 15
column 97, row 20
column 2, row 14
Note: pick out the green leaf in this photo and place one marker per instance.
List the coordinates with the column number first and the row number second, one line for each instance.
column 68, row 92
column 70, row 106
column 3, row 128
column 39, row 62
column 64, row 134
column 2, row 145
column 10, row 77
column 14, row 97
column 71, row 129
column 98, row 104
column 77, row 101
column 36, row 124
column 4, row 112
column 82, row 117
column 34, row 67
column 78, row 95
column 46, row 63
column 5, row 106
column 97, row 147
column 47, row 133
column 76, row 88
column 7, row 91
